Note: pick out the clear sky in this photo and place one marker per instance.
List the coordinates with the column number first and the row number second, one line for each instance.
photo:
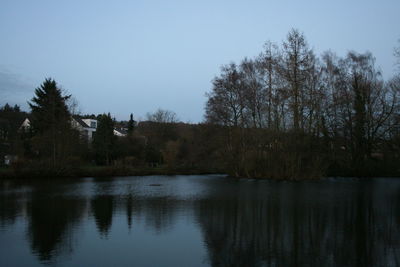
column 136, row 56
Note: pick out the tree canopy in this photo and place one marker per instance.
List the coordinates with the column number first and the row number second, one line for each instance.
column 49, row 108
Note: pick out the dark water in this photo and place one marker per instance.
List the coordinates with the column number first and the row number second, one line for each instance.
column 199, row 221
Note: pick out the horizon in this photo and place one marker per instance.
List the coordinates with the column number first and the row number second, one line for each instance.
column 151, row 54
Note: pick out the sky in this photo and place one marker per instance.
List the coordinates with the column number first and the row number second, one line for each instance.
column 137, row 56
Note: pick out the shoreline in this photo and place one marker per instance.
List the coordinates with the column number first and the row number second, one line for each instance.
column 124, row 171
column 99, row 171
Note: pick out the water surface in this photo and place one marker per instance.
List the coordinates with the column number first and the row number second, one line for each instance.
column 199, row 221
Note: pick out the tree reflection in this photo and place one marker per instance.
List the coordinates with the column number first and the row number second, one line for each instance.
column 302, row 225
column 129, row 210
column 342, row 223
column 10, row 207
column 52, row 216
column 159, row 213
column 102, row 206
column 102, row 209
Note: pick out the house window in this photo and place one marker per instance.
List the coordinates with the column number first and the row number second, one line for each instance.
column 93, row 124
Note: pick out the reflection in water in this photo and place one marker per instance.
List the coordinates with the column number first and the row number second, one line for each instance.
column 300, row 225
column 51, row 219
column 9, row 209
column 129, row 208
column 327, row 223
column 102, row 209
column 159, row 213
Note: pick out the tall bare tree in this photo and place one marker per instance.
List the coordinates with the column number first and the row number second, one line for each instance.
column 225, row 104
column 295, row 67
column 397, row 54
column 268, row 63
column 281, row 104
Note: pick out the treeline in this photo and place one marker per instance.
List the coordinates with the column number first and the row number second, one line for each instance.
column 290, row 114
column 285, row 114
column 52, row 145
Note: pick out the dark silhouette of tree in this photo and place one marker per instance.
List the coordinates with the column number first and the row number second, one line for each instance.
column 361, row 89
column 162, row 116
column 131, row 125
column 397, row 54
column 295, row 67
column 50, row 121
column 225, row 103
column 160, row 128
column 11, row 119
column 294, row 114
column 104, row 139
column 49, row 108
column 267, row 63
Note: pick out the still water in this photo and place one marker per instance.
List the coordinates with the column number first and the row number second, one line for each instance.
column 199, row 221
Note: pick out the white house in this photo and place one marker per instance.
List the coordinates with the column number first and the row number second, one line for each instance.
column 26, row 124
column 85, row 126
column 89, row 126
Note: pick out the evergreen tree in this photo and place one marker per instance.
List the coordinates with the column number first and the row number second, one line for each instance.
column 50, row 121
column 49, row 108
column 131, row 125
column 104, row 139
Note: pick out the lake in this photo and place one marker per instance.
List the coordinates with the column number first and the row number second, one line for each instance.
column 207, row 220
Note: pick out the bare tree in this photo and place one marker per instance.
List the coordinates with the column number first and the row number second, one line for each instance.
column 397, row 54
column 297, row 61
column 225, row 103
column 281, row 103
column 268, row 63
column 73, row 106
column 162, row 116
column 253, row 94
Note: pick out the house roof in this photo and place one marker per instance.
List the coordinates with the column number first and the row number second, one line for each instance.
column 88, row 122
column 80, row 122
column 25, row 124
column 121, row 131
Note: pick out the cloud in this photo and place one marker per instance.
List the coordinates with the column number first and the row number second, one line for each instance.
column 14, row 89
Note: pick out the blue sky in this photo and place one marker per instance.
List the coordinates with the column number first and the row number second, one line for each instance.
column 136, row 56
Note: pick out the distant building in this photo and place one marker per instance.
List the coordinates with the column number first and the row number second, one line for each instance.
column 85, row 126
column 9, row 159
column 120, row 132
column 26, row 124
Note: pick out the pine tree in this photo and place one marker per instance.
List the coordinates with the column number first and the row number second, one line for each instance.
column 131, row 125
column 50, row 121
column 49, row 108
